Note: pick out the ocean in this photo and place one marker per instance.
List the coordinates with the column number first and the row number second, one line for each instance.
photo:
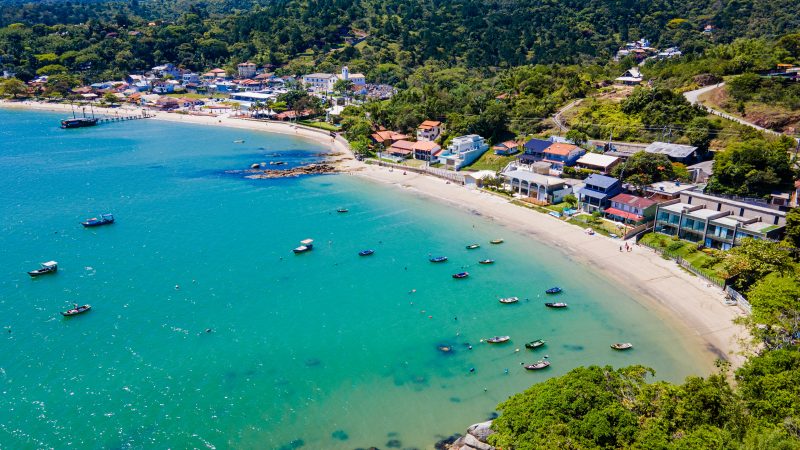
column 208, row 332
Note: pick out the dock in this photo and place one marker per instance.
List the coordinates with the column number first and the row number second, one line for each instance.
column 143, row 115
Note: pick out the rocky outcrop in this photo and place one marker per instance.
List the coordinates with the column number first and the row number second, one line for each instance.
column 475, row 439
column 310, row 169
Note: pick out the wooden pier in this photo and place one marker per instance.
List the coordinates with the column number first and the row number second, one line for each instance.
column 143, row 115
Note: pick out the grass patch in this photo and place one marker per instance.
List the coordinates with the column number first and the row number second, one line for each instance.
column 319, row 124
column 188, row 95
column 708, row 262
column 490, row 161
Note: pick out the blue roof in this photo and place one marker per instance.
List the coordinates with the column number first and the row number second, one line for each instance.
column 601, row 181
column 537, row 145
column 594, row 194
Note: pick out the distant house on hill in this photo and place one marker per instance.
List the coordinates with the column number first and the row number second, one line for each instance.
column 631, row 77
column 429, row 130
column 685, row 154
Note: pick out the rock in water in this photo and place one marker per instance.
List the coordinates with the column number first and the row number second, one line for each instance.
column 475, row 439
column 310, row 169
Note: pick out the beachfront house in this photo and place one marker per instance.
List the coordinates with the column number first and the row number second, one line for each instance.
column 597, row 192
column 506, row 148
column 684, row 154
column 401, row 149
column 463, row 151
column 385, row 138
column 427, row 150
column 429, row 130
column 561, row 154
column 533, row 151
column 664, row 191
column 596, row 161
column 631, row 209
column 542, row 188
column 718, row 222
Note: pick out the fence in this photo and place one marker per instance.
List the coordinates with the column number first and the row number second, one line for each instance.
column 740, row 300
column 440, row 173
column 637, row 230
column 713, row 279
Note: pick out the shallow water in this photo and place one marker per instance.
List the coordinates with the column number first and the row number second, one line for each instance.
column 320, row 350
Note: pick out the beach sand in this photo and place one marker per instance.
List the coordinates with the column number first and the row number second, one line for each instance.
column 692, row 307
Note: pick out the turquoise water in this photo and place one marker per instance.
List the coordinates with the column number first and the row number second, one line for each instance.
column 320, row 350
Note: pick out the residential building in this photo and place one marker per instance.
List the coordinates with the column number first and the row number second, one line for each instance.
column 167, row 103
column 664, row 191
column 324, row 82
column 429, row 130
column 533, row 151
column 463, row 151
column 631, row 209
column 718, row 222
column 539, row 187
column 560, row 155
column 597, row 192
column 702, row 171
column 794, row 198
column 166, row 69
column 426, row 150
column 246, row 69
column 386, row 137
column 685, row 154
column 190, row 78
column 596, row 161
column 474, row 180
column 506, row 148
column 631, row 77
column 401, row 149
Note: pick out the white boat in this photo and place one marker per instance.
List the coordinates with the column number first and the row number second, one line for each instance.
column 539, row 365
column 622, row 346
column 47, row 267
column 306, row 245
column 498, row 339
column 509, row 300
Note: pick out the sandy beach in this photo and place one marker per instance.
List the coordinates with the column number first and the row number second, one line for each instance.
column 692, row 307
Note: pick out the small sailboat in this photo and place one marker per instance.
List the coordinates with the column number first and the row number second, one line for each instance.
column 539, row 365
column 105, row 219
column 553, row 290
column 535, row 344
column 622, row 346
column 508, row 300
column 473, row 246
column 461, row 275
column 496, row 241
column 305, row 246
column 366, row 252
column 498, row 339
column 47, row 267
column 342, row 210
column 556, row 305
column 76, row 310
column 438, row 259
column 486, row 261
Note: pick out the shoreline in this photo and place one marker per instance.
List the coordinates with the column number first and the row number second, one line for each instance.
column 692, row 308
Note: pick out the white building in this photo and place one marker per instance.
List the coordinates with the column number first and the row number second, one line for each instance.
column 325, row 81
column 246, row 69
column 463, row 151
column 429, row 130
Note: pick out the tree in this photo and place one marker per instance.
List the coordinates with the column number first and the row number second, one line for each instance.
column 60, row 85
column 793, row 227
column 12, row 87
column 700, row 132
column 110, row 98
column 342, row 87
column 754, row 259
column 571, row 200
column 51, row 69
column 752, row 168
column 644, row 168
column 774, row 296
column 578, row 137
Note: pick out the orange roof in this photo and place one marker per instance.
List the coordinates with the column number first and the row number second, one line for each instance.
column 561, row 149
column 425, row 146
column 386, row 135
column 428, row 124
column 217, row 70
column 402, row 145
column 509, row 144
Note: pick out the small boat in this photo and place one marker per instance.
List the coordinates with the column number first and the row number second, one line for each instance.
column 76, row 310
column 553, row 290
column 79, row 122
column 535, row 344
column 47, row 267
column 622, row 346
column 239, row 141
column 277, row 163
column 342, row 210
column 486, row 261
column 556, row 305
column 105, row 219
column 473, row 246
column 306, row 245
column 498, row 339
column 509, row 300
column 438, row 259
column 366, row 252
column 539, row 365
column 461, row 275
column 496, row 241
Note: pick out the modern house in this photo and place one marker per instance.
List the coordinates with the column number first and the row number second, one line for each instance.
column 429, row 130
column 597, row 192
column 246, row 69
column 596, row 161
column 506, row 148
column 664, row 191
column 426, row 150
column 717, row 222
column 631, row 77
column 533, row 151
column 560, row 155
column 537, row 186
column 702, row 171
column 685, row 154
column 463, row 151
column 631, row 209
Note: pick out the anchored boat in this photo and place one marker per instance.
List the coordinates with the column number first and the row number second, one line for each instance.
column 496, row 241
column 47, row 267
column 486, row 261
column 553, row 290
column 556, row 305
column 622, row 346
column 342, row 210
column 539, row 365
column 473, row 246
column 438, row 259
column 498, row 339
column 306, row 245
column 461, row 275
column 76, row 310
column 534, row 344
column 366, row 252
column 105, row 219
column 509, row 300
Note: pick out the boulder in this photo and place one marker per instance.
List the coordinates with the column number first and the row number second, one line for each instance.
column 481, row 430
column 476, row 438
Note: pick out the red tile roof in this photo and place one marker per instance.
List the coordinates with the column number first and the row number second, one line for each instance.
column 621, row 213
column 560, row 148
column 428, row 124
column 633, row 200
column 425, row 146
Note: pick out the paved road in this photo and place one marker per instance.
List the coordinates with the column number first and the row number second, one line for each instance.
column 693, row 97
column 557, row 116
